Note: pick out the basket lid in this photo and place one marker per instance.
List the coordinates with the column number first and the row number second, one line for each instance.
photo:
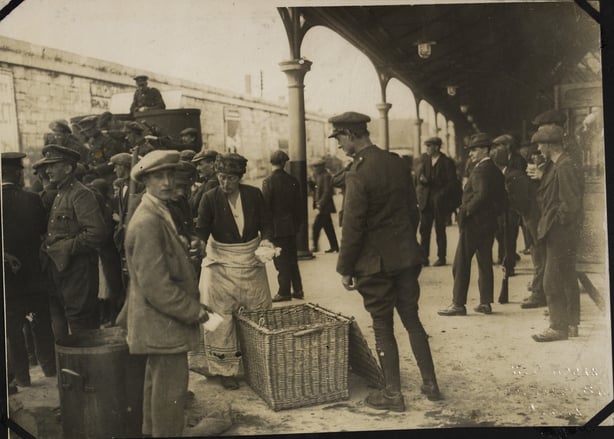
column 361, row 359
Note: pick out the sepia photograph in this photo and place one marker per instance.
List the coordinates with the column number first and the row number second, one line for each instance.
column 267, row 217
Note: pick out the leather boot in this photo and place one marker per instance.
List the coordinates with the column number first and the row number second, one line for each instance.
column 389, row 360
column 422, row 353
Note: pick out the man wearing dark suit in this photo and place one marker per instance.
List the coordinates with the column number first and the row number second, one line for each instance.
column 75, row 231
column 483, row 201
column 282, row 196
column 323, row 203
column 560, row 198
column 24, row 224
column 435, row 176
column 380, row 255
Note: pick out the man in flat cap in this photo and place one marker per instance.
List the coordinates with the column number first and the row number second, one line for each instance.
column 189, row 140
column 162, row 310
column 206, row 180
column 560, row 198
column 25, row 292
column 437, row 181
column 145, row 98
column 484, row 200
column 380, row 255
column 282, row 195
column 233, row 222
column 324, row 205
column 75, row 231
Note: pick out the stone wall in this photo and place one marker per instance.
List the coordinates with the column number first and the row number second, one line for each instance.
column 52, row 84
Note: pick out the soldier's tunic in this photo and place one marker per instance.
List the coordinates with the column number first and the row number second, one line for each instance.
column 75, row 230
column 147, row 97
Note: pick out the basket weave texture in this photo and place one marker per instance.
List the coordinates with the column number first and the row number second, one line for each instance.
column 295, row 356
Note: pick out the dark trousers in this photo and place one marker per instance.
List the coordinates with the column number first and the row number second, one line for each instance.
column 538, row 257
column 164, row 391
column 560, row 278
column 44, row 347
column 507, row 239
column 429, row 216
column 473, row 239
column 324, row 220
column 77, row 291
column 382, row 293
column 287, row 266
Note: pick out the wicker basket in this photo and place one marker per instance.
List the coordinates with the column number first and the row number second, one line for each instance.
column 295, row 356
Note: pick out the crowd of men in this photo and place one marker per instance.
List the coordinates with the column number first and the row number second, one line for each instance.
column 73, row 251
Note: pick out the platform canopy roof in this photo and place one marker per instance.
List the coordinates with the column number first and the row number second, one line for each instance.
column 504, row 58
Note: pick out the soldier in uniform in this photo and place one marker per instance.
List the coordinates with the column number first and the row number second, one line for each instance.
column 61, row 134
column 560, row 199
column 380, row 255
column 206, row 180
column 435, row 176
column 483, row 201
column 282, row 196
column 189, row 138
column 145, row 98
column 24, row 224
column 75, row 231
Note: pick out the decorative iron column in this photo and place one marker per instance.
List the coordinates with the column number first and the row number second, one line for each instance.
column 418, row 123
column 295, row 70
column 383, row 107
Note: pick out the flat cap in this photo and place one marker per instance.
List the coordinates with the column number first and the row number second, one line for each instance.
column 189, row 130
column 479, row 140
column 60, row 125
column 231, row 163
column 186, row 172
column 279, row 157
column 88, row 123
column 504, row 139
column 349, row 120
column 209, row 154
column 433, row 141
column 548, row 134
column 56, row 153
column 123, row 158
column 141, row 78
column 135, row 127
column 156, row 160
column 12, row 159
column 550, row 117
column 187, row 155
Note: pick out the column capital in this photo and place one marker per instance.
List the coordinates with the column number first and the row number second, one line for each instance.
column 295, row 70
column 383, row 107
column 418, row 122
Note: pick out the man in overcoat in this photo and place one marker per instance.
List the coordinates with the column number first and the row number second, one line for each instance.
column 282, row 196
column 24, row 224
column 560, row 198
column 483, row 201
column 380, row 255
column 75, row 231
column 162, row 311
column 436, row 176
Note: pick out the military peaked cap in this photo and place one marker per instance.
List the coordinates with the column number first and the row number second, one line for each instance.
column 156, row 160
column 141, row 78
column 209, row 155
column 550, row 117
column 189, row 131
column 479, row 140
column 57, row 153
column 433, row 141
column 548, row 134
column 123, row 158
column 349, row 121
column 60, row 125
column 279, row 157
column 12, row 159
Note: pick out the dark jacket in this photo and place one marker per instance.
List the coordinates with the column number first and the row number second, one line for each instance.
column 24, row 223
column 76, row 226
column 147, row 97
column 484, row 197
column 197, row 196
column 323, row 192
column 282, row 195
column 381, row 216
column 438, row 186
column 559, row 196
column 215, row 217
column 516, row 161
